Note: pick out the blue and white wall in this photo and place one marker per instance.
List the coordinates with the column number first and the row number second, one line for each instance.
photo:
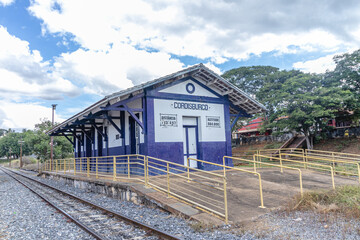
column 180, row 118
column 175, row 103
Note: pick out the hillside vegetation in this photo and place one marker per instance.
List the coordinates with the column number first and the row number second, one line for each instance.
column 345, row 145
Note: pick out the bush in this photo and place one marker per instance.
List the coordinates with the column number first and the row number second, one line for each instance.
column 344, row 200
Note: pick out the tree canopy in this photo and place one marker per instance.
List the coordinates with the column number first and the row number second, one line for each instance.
column 35, row 142
column 302, row 102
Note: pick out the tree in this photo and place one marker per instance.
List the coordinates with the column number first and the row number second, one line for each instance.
column 347, row 75
column 11, row 141
column 306, row 102
column 250, row 79
column 41, row 142
column 347, row 71
column 296, row 101
column 36, row 142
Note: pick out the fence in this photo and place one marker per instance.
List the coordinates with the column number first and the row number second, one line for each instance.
column 333, row 155
column 204, row 189
column 258, row 164
column 341, row 167
column 248, row 154
column 124, row 167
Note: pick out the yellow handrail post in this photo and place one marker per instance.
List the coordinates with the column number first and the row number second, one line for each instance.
column 281, row 167
column 128, row 163
column 303, row 156
column 332, row 156
column 332, row 177
column 168, row 180
column 301, row 184
column 88, row 166
column 50, row 169
column 147, row 172
column 74, row 166
column 188, row 169
column 254, row 158
column 224, row 166
column 64, row 166
column 114, row 168
column 261, row 192
column 56, row 165
column 225, row 203
column 97, row 168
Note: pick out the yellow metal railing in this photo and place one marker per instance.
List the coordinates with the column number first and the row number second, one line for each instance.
column 301, row 163
column 256, row 165
column 204, row 189
column 248, row 154
column 333, row 155
column 207, row 192
column 350, row 168
column 129, row 167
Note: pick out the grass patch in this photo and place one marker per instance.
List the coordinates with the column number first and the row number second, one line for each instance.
column 273, row 145
column 344, row 200
column 344, row 143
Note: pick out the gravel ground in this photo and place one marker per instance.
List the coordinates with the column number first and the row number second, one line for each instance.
column 25, row 216
column 304, row 225
column 276, row 225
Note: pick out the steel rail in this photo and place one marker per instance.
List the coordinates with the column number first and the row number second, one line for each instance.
column 146, row 227
column 77, row 222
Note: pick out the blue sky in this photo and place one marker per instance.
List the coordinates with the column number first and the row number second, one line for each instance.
column 73, row 53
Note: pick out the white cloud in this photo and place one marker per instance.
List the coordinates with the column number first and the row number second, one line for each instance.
column 24, row 73
column 211, row 29
column 24, row 115
column 213, row 68
column 319, row 65
column 6, row 2
column 119, row 67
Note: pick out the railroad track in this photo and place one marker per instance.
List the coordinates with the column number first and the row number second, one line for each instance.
column 98, row 221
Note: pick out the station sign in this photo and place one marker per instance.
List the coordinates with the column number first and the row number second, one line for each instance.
column 168, row 120
column 213, row 122
column 190, row 106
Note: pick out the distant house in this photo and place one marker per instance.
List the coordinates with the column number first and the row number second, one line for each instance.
column 253, row 128
column 342, row 122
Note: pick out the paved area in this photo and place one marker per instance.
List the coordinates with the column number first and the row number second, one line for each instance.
column 278, row 188
column 242, row 192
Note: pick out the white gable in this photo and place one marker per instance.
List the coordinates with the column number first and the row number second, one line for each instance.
column 190, row 88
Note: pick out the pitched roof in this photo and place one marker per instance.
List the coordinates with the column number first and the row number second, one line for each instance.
column 237, row 97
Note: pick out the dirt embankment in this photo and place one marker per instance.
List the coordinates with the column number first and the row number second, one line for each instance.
column 346, row 145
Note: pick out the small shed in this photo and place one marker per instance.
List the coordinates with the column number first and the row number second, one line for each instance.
column 181, row 115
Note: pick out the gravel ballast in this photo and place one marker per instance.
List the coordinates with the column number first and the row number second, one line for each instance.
column 276, row 225
column 23, row 215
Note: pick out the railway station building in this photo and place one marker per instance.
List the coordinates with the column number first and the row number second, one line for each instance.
column 189, row 113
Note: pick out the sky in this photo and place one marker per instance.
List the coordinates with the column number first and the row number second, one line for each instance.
column 74, row 52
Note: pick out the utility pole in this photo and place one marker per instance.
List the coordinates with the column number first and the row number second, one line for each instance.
column 21, row 143
column 52, row 138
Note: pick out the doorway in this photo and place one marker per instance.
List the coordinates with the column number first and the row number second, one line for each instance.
column 190, row 140
column 134, row 130
column 99, row 143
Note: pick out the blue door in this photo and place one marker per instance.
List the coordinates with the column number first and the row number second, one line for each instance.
column 190, row 140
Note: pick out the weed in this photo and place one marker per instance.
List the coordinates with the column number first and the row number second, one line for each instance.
column 344, row 200
column 198, row 226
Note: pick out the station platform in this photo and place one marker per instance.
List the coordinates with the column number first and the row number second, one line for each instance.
column 132, row 190
column 243, row 199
